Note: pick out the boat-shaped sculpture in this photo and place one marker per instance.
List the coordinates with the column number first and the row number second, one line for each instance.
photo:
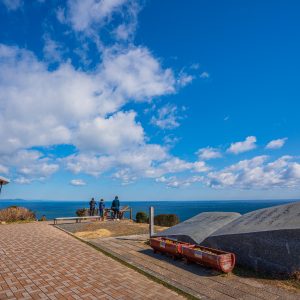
column 208, row 257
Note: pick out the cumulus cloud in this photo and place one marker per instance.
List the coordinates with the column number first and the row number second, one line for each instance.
column 42, row 106
column 140, row 160
column 89, row 164
column 77, row 182
column 144, row 161
column 276, row 144
column 30, row 165
column 208, row 153
column 175, row 165
column 240, row 147
column 167, row 117
column 257, row 173
column 64, row 101
column 108, row 135
column 175, row 182
column 83, row 14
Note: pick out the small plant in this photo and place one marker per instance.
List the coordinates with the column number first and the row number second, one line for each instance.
column 141, row 217
column 166, row 220
column 15, row 214
column 296, row 275
column 43, row 218
column 82, row 212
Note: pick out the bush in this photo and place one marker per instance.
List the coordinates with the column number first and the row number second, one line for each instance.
column 43, row 218
column 167, row 220
column 141, row 217
column 82, row 212
column 15, row 213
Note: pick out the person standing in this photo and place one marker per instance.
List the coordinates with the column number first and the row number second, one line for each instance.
column 115, row 206
column 92, row 206
column 101, row 208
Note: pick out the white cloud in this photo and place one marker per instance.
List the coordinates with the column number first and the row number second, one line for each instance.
column 167, row 117
column 204, row 75
column 200, row 166
column 61, row 15
column 12, row 4
column 175, row 182
column 184, row 79
column 77, row 182
column 276, row 144
column 83, row 14
column 22, row 180
column 3, row 169
column 41, row 107
column 109, row 135
column 209, row 153
column 126, row 176
column 144, row 161
column 52, row 50
column 244, row 146
column 125, row 31
column 89, row 164
column 140, row 160
column 257, row 173
column 29, row 165
column 136, row 74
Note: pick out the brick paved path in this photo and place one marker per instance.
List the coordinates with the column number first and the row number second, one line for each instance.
column 38, row 261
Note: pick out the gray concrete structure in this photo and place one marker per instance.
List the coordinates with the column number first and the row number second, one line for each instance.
column 198, row 228
column 265, row 240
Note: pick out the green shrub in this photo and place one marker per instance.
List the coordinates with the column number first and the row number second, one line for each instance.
column 141, row 217
column 15, row 213
column 167, row 220
column 82, row 212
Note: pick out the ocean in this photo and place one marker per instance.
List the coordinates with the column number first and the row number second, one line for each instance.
column 184, row 209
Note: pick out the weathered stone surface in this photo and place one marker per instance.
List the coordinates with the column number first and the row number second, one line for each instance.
column 265, row 240
column 198, row 228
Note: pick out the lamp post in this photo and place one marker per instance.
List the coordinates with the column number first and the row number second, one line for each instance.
column 3, row 181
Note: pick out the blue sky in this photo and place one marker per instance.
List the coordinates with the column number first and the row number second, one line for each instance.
column 150, row 100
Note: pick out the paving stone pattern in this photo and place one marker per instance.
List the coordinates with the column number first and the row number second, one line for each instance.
column 39, row 261
column 198, row 281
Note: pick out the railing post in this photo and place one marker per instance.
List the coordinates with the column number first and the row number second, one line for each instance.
column 151, row 221
column 130, row 213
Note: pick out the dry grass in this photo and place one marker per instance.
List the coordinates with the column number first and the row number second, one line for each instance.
column 291, row 284
column 93, row 234
column 114, row 228
column 16, row 214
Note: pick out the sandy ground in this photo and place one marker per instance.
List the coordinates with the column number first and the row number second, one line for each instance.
column 109, row 228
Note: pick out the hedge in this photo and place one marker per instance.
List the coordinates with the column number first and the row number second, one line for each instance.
column 141, row 217
column 166, row 220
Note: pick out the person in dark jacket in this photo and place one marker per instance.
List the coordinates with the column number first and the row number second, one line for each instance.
column 101, row 208
column 115, row 206
column 92, row 207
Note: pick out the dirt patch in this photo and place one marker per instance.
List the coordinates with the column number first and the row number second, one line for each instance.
column 109, row 229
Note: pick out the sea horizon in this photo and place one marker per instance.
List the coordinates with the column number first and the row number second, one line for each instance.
column 184, row 209
column 153, row 200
